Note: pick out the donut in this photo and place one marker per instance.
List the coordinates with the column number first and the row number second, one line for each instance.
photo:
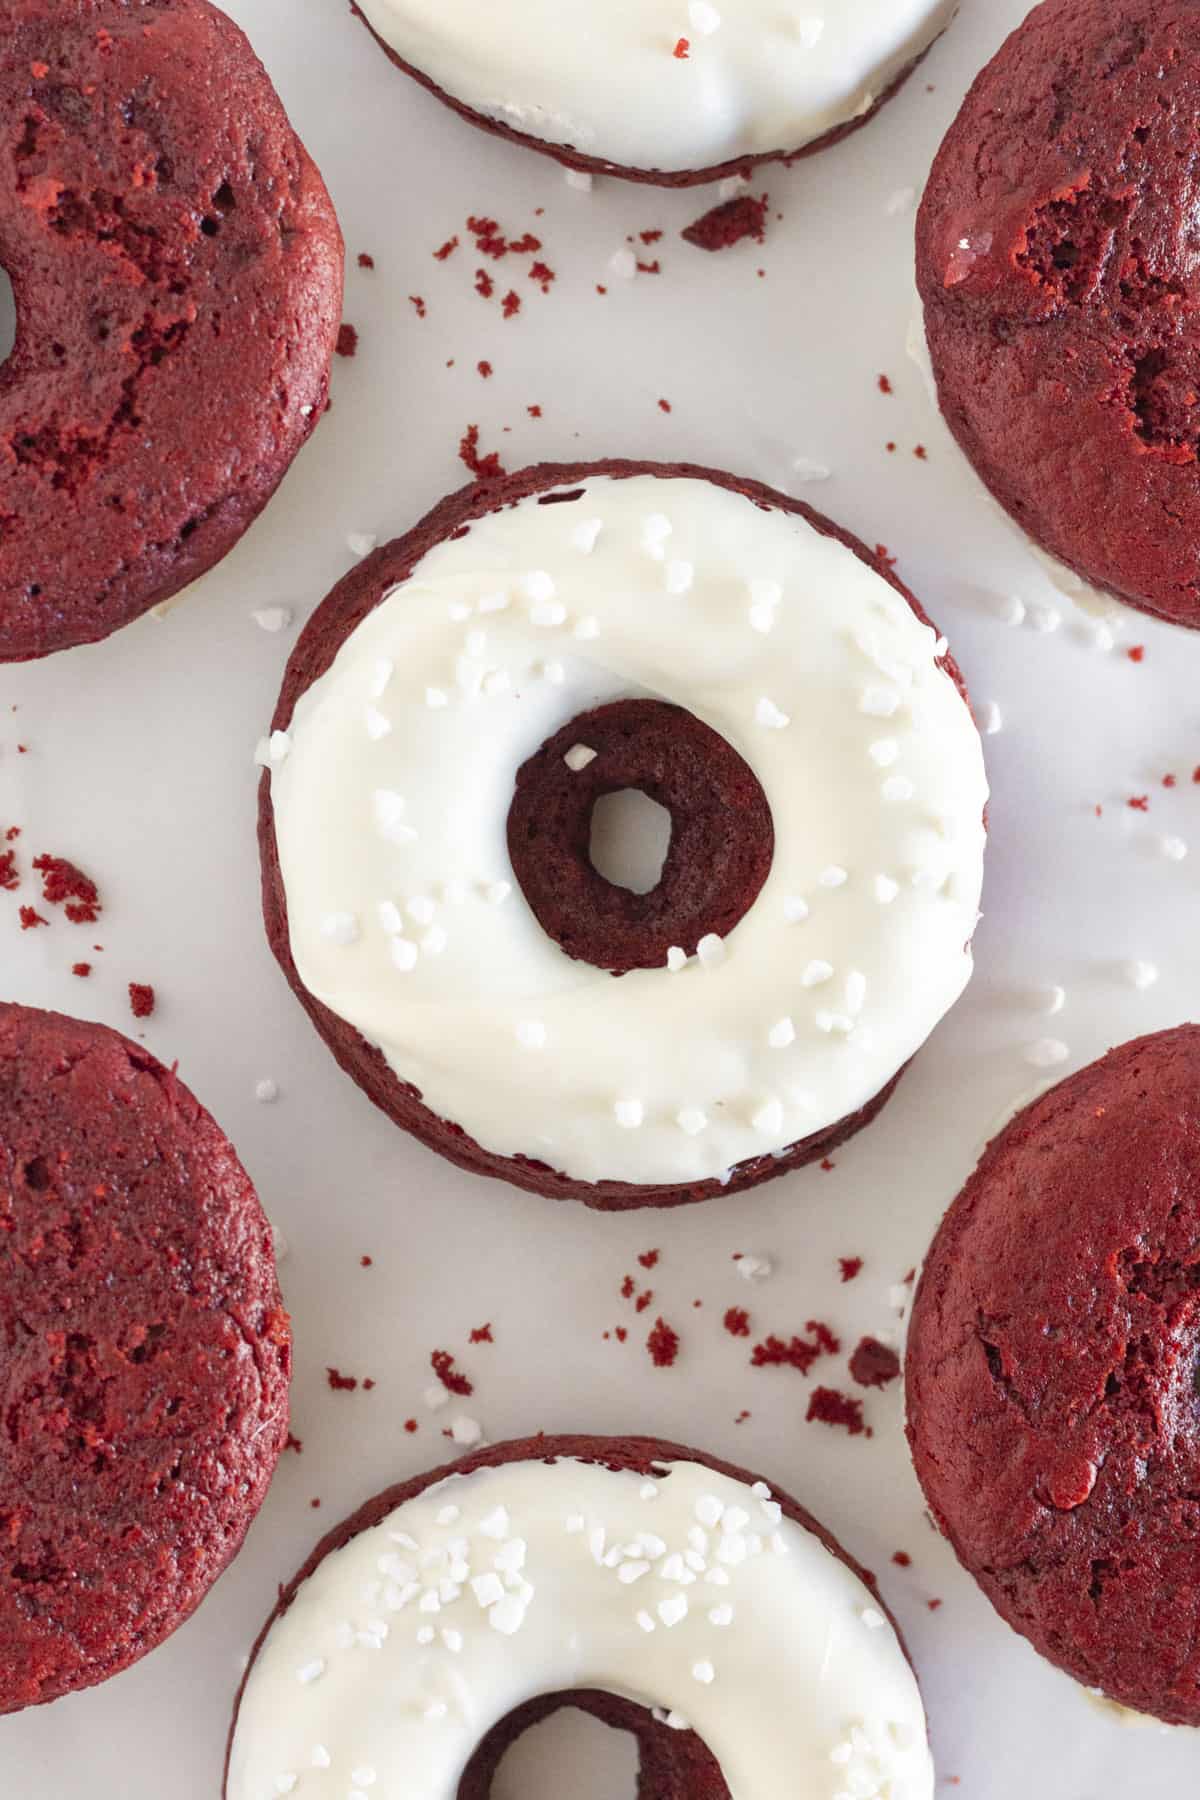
column 667, row 1593
column 177, row 270
column 143, row 1385
column 1052, row 1375
column 672, row 92
column 451, row 715
column 1060, row 292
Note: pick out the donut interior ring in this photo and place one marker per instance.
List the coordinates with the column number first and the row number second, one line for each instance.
column 177, row 267
column 828, row 794
column 654, row 1586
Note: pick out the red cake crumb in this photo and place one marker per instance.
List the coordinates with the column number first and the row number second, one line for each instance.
column 511, row 304
column 800, row 1353
column 291, row 1442
column 737, row 1322
column 482, row 1334
column 485, row 369
column 873, row 1364
column 921, row 453
column 933, row 1607
column 649, row 1258
column 484, row 468
column 664, row 406
column 1169, row 781
column 29, row 918
column 727, row 224
column 365, row 261
column 828, row 1164
column 83, row 970
column 543, row 275
column 447, row 249
column 484, row 285
column 63, row 883
column 1136, row 653
column 628, row 1288
column 347, row 341
column 368, row 1383
column 885, row 386
column 314, row 1504
column 851, row 1267
column 14, row 831
column 452, row 1379
column 366, row 1262
column 1139, row 802
column 644, row 1300
column 341, row 1384
column 650, row 237
column 681, row 50
column 890, row 446
column 411, row 1426
column 620, row 1334
column 663, row 1344
column 141, row 999
column 9, row 879
column 902, row 1559
column 1196, row 775
column 828, row 1407
column 418, row 303
column 649, row 268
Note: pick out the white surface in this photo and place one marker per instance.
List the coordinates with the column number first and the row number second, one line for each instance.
column 691, row 1593
column 139, row 767
column 868, row 760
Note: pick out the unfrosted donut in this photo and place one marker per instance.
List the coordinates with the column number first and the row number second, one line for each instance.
column 448, row 720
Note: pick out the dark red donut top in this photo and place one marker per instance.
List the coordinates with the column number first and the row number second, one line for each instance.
column 1057, row 265
column 145, row 1354
column 1053, row 1375
column 176, row 264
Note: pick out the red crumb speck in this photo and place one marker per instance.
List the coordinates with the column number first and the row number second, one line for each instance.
column 366, row 1262
column 452, row 1379
column 829, row 1407
column 921, row 453
column 418, row 304
column 482, row 1334
column 543, row 275
column 1169, row 781
column 511, row 304
column 644, row 1300
column 411, row 1426
column 341, row 1384
column 294, row 1443
column 727, row 224
column 1139, row 802
column 873, row 1364
column 314, row 1504
column 649, row 268
column 1196, row 775
column 63, row 882
column 12, row 834
column 485, row 369
column 620, row 1334
column 535, row 412
column 484, row 284
column 851, row 1266
column 885, row 386
column 9, row 879
column 39, row 70
column 365, row 261
column 368, row 1384
column 680, row 52
column 664, row 406
column 650, row 237
column 737, row 1322
column 890, row 447
column 827, row 1164
column 933, row 1605
column 663, row 1344
column 141, row 999
column 798, row 1353
column 83, row 970
column 902, row 1559
column 910, row 1277
column 29, row 918
column 484, row 468
column 601, row 290
column 628, row 1288
column 741, row 1417
column 649, row 1258
column 1136, row 653
column 447, row 249
column 347, row 341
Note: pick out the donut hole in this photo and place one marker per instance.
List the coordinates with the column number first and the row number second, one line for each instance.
column 637, row 830
column 8, row 317
column 568, row 1753
column 629, row 840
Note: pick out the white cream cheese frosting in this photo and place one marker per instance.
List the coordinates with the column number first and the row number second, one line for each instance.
column 604, row 78
column 392, row 785
column 690, row 1593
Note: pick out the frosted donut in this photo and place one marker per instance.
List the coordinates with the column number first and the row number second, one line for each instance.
column 448, row 721
column 672, row 91
column 671, row 1595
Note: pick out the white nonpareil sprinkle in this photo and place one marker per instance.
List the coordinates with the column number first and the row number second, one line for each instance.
column 711, row 950
column 815, row 973
column 1173, row 848
column 311, row 1671
column 1045, row 619
column 648, row 1491
column 623, row 264
column 709, row 1510
column 391, row 919
column 434, row 941
column 731, row 187
column 810, row 31
column 768, row 714
column 538, row 584
column 448, row 1515
column 795, row 910
column 278, row 746
column 764, row 592
column 435, row 1397
column 805, row 469
column 497, row 1524
column 1142, row 974
column 452, row 1639
column 897, row 788
column 673, row 1610
column 531, row 1034
column 508, row 1615
column 833, row 877
column 769, row 1118
column 1053, row 1000
column 382, row 670
column 361, row 543
column 1010, row 609
column 704, row 17
column 493, row 603
column 883, row 752
column 991, row 718
column 645, row 1622
column 885, row 889
column 420, row 908
column 872, row 1618
column 496, row 682
column 1046, row 1053
column 378, row 725
column 629, row 1113
column 834, row 1022
column 321, row 1758
column 585, row 534
column 762, row 618
column 629, row 1572
column 272, row 618
column 754, row 1268
column 436, row 696
column 497, row 892
column 266, row 1091
column 578, row 757
column 856, row 991
column 364, row 1777
column 465, row 1430
column 676, row 958
column 879, row 702
column 554, row 673
column 721, row 1616
column 656, row 529
column 340, row 928
column 404, row 954
column 285, row 1783
column 781, row 1034
column 588, row 627
column 548, row 613
column 703, row 1672
column 459, row 611
column 680, row 576
column 691, row 1120
column 388, row 809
